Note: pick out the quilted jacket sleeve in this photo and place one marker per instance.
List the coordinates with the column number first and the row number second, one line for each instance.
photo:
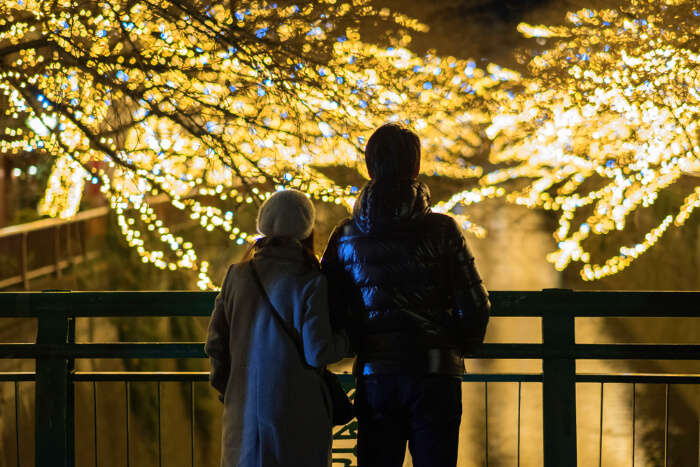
column 470, row 295
column 339, row 283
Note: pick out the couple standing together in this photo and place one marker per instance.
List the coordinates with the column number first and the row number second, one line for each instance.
column 397, row 288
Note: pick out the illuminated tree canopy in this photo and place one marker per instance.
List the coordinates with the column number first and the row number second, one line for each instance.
column 180, row 99
column 230, row 99
column 608, row 119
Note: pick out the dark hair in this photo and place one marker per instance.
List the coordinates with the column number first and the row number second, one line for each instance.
column 393, row 153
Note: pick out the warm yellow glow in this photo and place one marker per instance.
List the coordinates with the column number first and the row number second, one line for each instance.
column 149, row 98
column 152, row 98
column 608, row 120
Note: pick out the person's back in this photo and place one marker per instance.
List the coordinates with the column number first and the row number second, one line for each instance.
column 403, row 283
column 277, row 410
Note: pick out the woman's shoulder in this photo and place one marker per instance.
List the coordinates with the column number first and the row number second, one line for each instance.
column 237, row 269
column 233, row 276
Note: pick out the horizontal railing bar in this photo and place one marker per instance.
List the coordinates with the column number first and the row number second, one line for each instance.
column 491, row 351
column 346, row 378
column 51, row 223
column 17, row 376
column 643, row 378
column 507, row 351
column 48, row 269
column 594, row 303
column 505, row 303
column 503, row 377
column 591, row 351
column 204, row 376
column 107, row 304
column 141, row 376
column 648, row 378
column 196, row 350
column 112, row 350
column 621, row 303
column 635, row 352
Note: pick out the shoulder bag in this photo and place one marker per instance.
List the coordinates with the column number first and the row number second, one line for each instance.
column 342, row 410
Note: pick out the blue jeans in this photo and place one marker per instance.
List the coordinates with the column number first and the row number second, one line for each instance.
column 423, row 411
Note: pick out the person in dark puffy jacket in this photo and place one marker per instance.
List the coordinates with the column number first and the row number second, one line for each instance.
column 403, row 283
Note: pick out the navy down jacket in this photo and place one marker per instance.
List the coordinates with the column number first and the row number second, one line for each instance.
column 403, row 283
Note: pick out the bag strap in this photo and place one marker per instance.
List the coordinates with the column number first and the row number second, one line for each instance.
column 283, row 324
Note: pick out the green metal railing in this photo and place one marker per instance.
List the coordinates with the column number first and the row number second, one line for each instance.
column 55, row 352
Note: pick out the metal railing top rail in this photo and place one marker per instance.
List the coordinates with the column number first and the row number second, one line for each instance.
column 558, row 304
column 203, row 376
column 488, row 351
column 55, row 351
column 51, row 222
column 505, row 303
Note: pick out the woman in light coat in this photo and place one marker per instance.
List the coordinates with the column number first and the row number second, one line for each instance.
column 276, row 406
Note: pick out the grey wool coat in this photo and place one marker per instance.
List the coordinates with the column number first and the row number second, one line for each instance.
column 276, row 410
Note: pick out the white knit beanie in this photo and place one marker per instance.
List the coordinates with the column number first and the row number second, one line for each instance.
column 287, row 213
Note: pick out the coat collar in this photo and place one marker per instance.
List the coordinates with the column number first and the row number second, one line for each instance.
column 290, row 250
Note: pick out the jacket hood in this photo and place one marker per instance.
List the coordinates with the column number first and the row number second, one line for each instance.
column 381, row 206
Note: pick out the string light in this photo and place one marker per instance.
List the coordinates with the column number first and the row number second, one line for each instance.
column 178, row 101
column 608, row 120
column 153, row 99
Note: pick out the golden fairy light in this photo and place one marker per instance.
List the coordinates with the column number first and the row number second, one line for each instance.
column 607, row 121
column 157, row 99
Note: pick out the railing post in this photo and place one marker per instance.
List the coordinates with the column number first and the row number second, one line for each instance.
column 83, row 240
column 57, row 250
column 23, row 260
column 69, row 248
column 54, row 419
column 70, row 412
column 559, row 387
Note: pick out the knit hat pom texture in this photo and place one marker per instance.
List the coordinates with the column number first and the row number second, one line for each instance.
column 287, row 213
